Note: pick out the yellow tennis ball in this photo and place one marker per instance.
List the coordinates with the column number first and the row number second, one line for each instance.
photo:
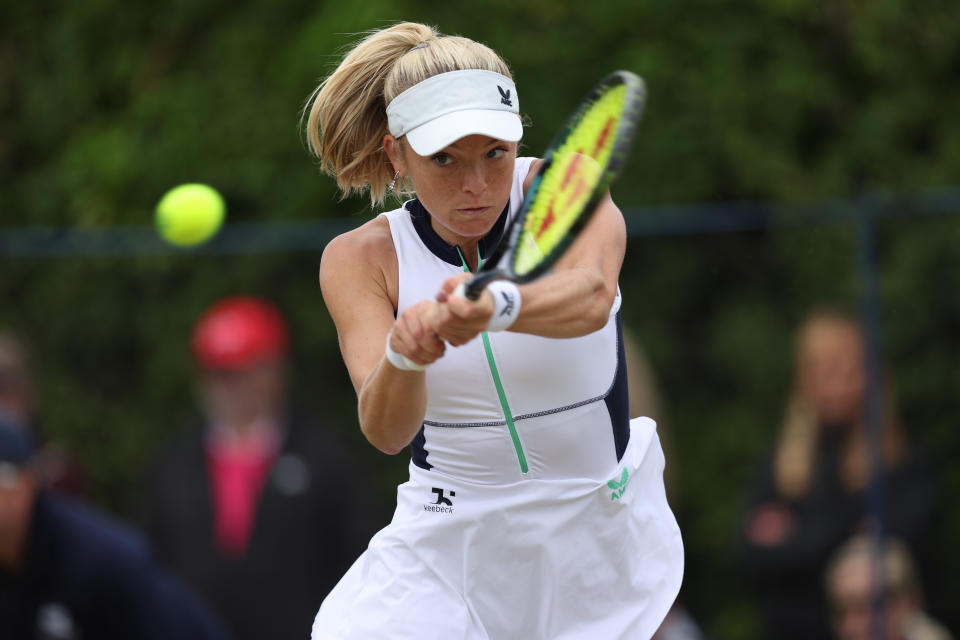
column 190, row 214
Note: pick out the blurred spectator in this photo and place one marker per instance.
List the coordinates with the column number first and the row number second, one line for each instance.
column 678, row 625
column 810, row 495
column 853, row 580
column 54, row 466
column 260, row 511
column 68, row 572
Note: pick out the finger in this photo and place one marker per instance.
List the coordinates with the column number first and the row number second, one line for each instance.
column 450, row 285
column 478, row 310
column 458, row 331
column 415, row 335
column 421, row 350
column 423, row 329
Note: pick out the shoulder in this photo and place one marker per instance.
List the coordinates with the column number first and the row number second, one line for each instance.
column 361, row 260
column 90, row 533
column 370, row 240
column 184, row 449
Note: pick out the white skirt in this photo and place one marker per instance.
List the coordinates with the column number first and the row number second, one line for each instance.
column 537, row 559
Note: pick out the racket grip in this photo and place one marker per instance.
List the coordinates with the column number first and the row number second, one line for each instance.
column 473, row 287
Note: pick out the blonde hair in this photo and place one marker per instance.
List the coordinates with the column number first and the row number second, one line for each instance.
column 795, row 455
column 899, row 570
column 347, row 116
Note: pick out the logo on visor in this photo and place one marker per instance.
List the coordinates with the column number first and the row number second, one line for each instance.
column 504, row 96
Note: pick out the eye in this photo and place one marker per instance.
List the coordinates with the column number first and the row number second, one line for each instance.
column 499, row 152
column 442, row 159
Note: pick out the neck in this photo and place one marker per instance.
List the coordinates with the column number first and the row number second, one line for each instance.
column 448, row 247
column 469, row 253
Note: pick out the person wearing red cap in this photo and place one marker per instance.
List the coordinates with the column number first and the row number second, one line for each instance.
column 252, row 509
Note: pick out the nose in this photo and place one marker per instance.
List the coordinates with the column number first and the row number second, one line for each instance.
column 474, row 179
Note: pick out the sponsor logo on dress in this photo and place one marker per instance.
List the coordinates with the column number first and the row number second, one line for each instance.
column 443, row 503
column 618, row 486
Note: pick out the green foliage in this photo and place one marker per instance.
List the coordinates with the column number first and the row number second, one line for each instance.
column 104, row 105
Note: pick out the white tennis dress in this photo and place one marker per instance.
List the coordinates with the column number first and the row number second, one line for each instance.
column 535, row 508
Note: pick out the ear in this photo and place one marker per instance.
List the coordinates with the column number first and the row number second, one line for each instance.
column 394, row 151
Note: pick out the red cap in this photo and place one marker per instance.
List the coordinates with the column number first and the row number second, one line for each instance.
column 237, row 332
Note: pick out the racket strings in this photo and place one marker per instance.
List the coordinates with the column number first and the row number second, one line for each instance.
column 570, row 179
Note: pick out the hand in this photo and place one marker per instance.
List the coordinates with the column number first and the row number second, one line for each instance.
column 769, row 524
column 414, row 334
column 460, row 320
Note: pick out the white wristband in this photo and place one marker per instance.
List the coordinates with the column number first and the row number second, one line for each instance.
column 399, row 361
column 506, row 304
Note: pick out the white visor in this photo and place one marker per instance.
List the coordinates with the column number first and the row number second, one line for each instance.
column 448, row 106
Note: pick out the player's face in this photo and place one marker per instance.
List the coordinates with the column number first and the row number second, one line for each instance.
column 464, row 186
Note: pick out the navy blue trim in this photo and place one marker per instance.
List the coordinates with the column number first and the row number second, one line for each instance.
column 418, row 451
column 618, row 400
column 439, row 247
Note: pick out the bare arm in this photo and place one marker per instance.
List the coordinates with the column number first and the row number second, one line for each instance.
column 358, row 281
column 575, row 298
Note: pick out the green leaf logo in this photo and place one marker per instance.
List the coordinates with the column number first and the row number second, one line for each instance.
column 618, row 487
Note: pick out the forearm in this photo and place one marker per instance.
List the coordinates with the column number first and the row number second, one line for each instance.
column 391, row 406
column 565, row 304
column 576, row 297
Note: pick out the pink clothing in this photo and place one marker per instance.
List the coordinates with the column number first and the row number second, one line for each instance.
column 238, row 469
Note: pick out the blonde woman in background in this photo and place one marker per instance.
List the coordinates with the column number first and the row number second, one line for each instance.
column 863, row 573
column 535, row 506
column 811, row 494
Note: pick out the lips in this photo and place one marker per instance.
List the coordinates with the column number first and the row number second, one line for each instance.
column 473, row 210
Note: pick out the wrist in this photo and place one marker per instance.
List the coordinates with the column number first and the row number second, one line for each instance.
column 506, row 304
column 399, row 360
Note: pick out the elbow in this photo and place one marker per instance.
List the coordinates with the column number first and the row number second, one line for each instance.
column 596, row 318
column 390, row 424
column 597, row 313
column 389, row 449
column 383, row 440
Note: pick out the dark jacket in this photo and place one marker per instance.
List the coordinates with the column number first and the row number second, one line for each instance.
column 88, row 576
column 789, row 576
column 314, row 518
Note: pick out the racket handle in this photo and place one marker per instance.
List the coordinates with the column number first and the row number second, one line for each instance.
column 473, row 287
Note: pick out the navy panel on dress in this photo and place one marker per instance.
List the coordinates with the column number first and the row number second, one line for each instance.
column 418, row 450
column 618, row 400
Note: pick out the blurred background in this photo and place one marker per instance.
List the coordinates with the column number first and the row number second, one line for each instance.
column 792, row 154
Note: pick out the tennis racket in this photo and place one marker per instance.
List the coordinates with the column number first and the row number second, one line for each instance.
column 578, row 168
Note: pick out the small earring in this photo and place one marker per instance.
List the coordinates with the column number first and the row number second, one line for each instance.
column 393, row 184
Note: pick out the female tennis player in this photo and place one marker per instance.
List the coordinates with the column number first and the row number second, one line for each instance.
column 535, row 508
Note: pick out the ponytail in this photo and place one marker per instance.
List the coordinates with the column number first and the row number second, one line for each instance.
column 347, row 117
